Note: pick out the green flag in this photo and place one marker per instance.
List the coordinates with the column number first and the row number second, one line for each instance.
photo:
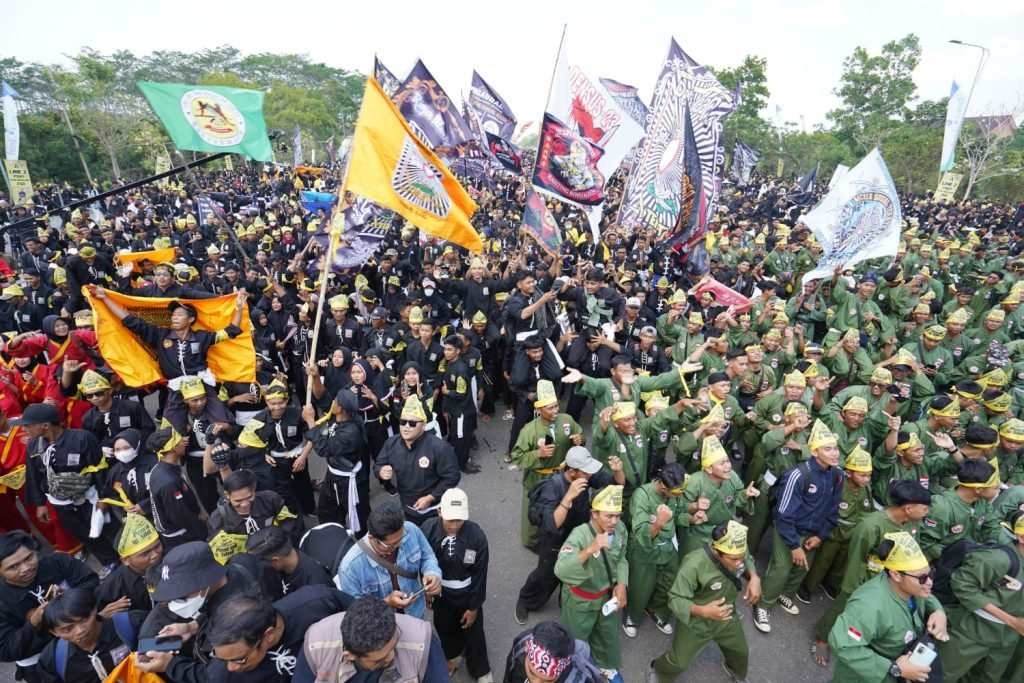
column 211, row 118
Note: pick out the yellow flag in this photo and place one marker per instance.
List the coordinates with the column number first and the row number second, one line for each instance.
column 154, row 255
column 230, row 360
column 390, row 166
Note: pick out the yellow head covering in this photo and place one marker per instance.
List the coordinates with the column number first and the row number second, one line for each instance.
column 695, row 318
column 93, row 382
column 856, row 404
column 415, row 315
column 733, row 541
column 716, row 414
column 912, row 442
column 851, row 335
column 192, row 387
column 795, row 408
column 795, row 379
column 657, row 401
column 338, row 302
column 881, row 376
column 678, row 297
column 993, row 379
column 952, row 410
column 999, row 404
column 711, row 451
column 608, row 499
column 413, row 410
column 1012, row 298
column 811, row 371
column 996, row 315
column 137, row 534
column 277, row 389
column 935, row 333
column 173, row 440
column 1012, row 430
column 859, row 460
column 821, row 436
column 479, row 318
column 959, row 317
column 906, row 555
column 545, row 394
column 623, row 409
column 923, row 309
column 993, row 481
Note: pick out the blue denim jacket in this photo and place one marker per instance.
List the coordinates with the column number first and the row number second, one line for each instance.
column 359, row 575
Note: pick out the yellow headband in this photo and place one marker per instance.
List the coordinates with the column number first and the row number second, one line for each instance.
column 906, row 555
column 733, row 541
column 951, row 410
column 912, row 442
column 608, row 499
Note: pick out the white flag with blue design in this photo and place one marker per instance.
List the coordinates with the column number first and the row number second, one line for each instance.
column 858, row 219
column 955, row 111
column 12, row 133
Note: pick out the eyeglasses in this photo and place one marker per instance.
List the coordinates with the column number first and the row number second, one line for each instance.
column 922, row 578
column 390, row 546
column 409, row 423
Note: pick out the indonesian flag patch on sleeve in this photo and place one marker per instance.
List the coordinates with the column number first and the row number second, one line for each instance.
column 855, row 634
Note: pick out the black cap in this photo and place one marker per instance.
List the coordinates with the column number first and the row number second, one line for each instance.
column 187, row 569
column 908, row 492
column 980, row 434
column 974, row 471
column 37, row 414
column 176, row 304
column 348, row 402
column 716, row 377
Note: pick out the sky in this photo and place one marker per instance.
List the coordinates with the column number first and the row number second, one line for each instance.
column 513, row 44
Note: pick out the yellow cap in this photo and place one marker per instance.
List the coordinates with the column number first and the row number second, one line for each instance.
column 545, row 394
column 951, row 410
column 912, row 442
column 678, row 297
column 1012, row 298
column 856, row 404
column 173, row 440
column 821, row 436
column 811, row 371
column 479, row 318
column 137, row 533
column 851, row 335
column 60, row 276
column 999, row 404
column 662, row 282
column 695, row 318
column 93, row 382
column 338, row 302
column 795, row 408
column 501, row 296
column 906, row 555
column 250, row 435
column 608, row 499
column 277, row 389
column 192, row 387
column 415, row 315
column 733, row 541
column 795, row 379
column 780, row 318
column 83, row 318
column 923, row 309
column 623, row 409
column 959, row 317
column 711, row 451
column 413, row 410
column 881, row 376
column 657, row 401
column 996, row 315
column 716, row 414
column 11, row 291
column 935, row 333
column 859, row 460
column 1012, row 430
column 993, row 379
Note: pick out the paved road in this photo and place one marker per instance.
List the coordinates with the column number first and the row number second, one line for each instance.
column 494, row 494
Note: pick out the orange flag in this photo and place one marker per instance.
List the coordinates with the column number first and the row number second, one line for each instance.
column 155, row 256
column 231, row 360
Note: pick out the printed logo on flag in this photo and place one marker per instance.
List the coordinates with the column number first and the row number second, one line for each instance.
column 863, row 219
column 214, row 117
column 418, row 182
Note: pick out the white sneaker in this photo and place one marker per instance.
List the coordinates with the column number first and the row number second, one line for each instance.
column 486, row 678
column 628, row 627
column 610, row 674
column 762, row 620
column 786, row 603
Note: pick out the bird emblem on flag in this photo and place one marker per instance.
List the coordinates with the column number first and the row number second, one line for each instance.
column 417, row 181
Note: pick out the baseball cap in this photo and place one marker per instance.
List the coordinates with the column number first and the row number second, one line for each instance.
column 579, row 458
column 454, row 505
column 187, row 569
column 632, row 302
column 38, row 413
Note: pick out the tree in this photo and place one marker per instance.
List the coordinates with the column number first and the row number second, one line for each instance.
column 988, row 152
column 746, row 123
column 876, row 91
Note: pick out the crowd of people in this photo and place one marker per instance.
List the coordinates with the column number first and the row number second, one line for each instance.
column 864, row 429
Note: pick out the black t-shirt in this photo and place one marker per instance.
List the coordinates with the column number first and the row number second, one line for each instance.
column 82, row 666
column 308, row 572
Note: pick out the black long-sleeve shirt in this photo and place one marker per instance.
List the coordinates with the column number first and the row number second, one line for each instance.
column 124, row 582
column 175, row 507
column 177, row 356
column 73, row 451
column 463, row 558
column 428, row 468
column 123, row 414
column 110, row 650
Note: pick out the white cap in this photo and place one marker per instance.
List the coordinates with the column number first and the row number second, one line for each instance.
column 454, row 505
column 632, row 302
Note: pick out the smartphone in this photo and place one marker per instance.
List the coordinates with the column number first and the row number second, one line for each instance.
column 413, row 596
column 548, row 440
column 166, row 644
column 923, row 654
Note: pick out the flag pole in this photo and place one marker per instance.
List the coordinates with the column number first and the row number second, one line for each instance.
column 338, row 215
column 554, row 72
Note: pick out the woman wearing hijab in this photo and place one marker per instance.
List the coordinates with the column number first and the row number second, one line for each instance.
column 411, row 382
column 372, row 411
column 127, row 484
column 284, row 327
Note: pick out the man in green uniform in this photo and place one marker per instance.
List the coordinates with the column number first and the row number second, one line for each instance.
column 935, row 360
column 616, row 434
column 670, row 324
column 624, row 384
column 594, row 572
column 703, row 598
column 830, row 560
column 689, row 339
column 540, row 449
column 908, row 462
column 962, row 512
column 988, row 620
column 659, row 514
column 908, row 505
column 718, row 491
column 885, row 615
column 857, row 311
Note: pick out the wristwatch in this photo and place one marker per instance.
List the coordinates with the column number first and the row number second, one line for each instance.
column 894, row 670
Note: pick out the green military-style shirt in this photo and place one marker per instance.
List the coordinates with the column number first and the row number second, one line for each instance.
column 950, row 519
column 662, row 549
column 526, row 454
column 631, row 450
column 939, row 358
column 981, row 580
column 604, row 392
column 854, row 505
column 702, row 581
column 861, row 563
column 727, row 501
column 592, row 577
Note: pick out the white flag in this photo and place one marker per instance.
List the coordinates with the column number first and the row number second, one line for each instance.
column 955, row 111
column 12, row 133
column 858, row 219
column 841, row 170
column 297, row 147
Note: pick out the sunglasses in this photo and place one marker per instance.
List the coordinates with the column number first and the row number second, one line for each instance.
column 95, row 394
column 409, row 423
column 922, row 578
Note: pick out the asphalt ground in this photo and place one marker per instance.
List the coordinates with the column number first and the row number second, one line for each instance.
column 783, row 656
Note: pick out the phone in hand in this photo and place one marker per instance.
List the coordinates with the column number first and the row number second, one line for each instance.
column 413, row 596
column 158, row 644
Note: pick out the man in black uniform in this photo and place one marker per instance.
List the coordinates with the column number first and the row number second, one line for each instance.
column 340, row 331
column 424, row 350
column 340, row 440
column 166, row 287
column 69, row 474
column 293, row 567
column 419, row 466
column 558, row 505
column 459, row 403
column 176, row 512
column 108, row 415
column 243, row 510
column 255, row 641
column 461, row 550
column 140, row 548
column 200, row 416
column 28, row 581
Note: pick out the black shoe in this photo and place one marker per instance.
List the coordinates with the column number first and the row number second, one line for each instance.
column 471, row 468
column 803, row 595
column 829, row 593
column 522, row 614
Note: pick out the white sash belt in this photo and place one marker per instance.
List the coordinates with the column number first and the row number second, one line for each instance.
column 353, row 494
column 456, row 584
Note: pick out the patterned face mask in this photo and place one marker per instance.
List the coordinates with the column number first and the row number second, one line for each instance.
column 543, row 662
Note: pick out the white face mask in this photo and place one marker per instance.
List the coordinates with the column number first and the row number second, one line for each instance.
column 428, row 292
column 126, row 455
column 188, row 608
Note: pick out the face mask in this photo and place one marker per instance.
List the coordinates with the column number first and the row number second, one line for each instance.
column 126, row 455
column 428, row 292
column 188, row 608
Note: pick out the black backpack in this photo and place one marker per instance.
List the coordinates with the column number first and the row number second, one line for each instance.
column 535, row 511
column 953, row 556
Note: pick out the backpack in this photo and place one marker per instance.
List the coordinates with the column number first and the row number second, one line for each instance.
column 125, row 631
column 535, row 511
column 953, row 556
